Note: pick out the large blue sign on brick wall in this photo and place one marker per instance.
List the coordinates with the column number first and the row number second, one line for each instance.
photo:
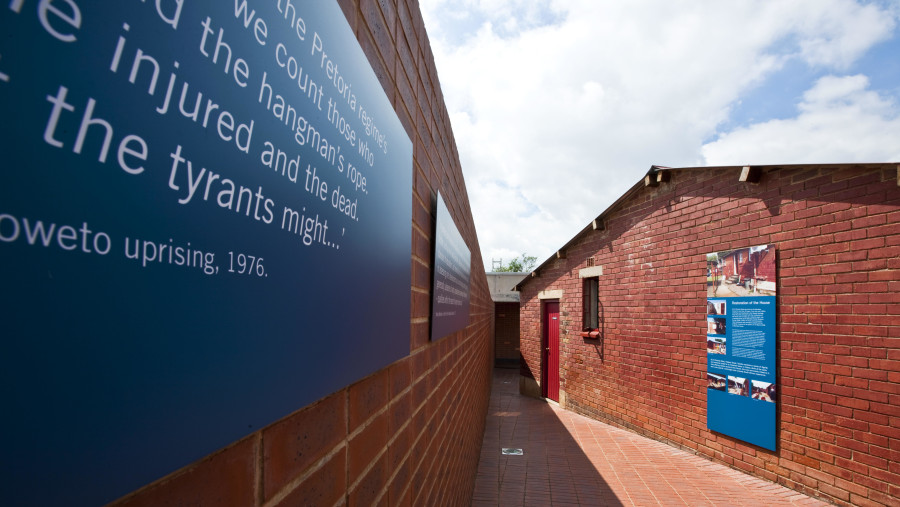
column 205, row 214
column 741, row 362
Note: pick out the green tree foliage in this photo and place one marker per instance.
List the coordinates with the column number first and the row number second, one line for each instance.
column 521, row 264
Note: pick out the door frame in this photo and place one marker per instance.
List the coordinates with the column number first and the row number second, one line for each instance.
column 546, row 378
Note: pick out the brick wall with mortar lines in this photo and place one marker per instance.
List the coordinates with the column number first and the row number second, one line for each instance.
column 506, row 334
column 411, row 433
column 837, row 233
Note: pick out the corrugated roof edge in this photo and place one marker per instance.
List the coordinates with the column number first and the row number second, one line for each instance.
column 654, row 169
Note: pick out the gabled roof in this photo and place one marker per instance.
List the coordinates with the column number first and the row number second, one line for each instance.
column 658, row 174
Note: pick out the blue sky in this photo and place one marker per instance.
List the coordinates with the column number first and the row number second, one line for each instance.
column 559, row 106
column 779, row 95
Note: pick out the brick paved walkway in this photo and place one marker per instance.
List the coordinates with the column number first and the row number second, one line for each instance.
column 569, row 459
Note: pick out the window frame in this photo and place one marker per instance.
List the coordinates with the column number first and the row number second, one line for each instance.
column 590, row 303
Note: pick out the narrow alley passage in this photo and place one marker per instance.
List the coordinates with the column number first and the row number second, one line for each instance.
column 567, row 459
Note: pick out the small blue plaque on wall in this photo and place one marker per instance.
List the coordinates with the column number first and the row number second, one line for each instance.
column 450, row 286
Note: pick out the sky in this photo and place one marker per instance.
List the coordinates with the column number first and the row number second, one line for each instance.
column 559, row 106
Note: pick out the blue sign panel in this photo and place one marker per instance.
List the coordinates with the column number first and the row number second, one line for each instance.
column 740, row 344
column 452, row 267
column 204, row 226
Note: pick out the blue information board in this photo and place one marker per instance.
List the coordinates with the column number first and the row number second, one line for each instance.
column 204, row 226
column 741, row 344
column 452, row 268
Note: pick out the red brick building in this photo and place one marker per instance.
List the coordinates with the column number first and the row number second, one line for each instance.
column 409, row 434
column 753, row 268
column 629, row 295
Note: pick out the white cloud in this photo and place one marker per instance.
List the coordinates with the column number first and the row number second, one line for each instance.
column 557, row 113
column 840, row 120
column 841, row 34
column 465, row 16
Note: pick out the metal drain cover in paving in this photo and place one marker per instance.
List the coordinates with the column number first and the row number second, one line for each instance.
column 510, row 451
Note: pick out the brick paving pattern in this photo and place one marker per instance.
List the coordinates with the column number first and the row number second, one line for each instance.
column 569, row 459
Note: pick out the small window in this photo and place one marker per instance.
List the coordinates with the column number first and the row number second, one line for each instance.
column 590, row 303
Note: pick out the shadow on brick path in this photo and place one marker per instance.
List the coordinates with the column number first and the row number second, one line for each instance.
column 568, row 459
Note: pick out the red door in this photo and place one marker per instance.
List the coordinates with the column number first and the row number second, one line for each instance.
column 550, row 373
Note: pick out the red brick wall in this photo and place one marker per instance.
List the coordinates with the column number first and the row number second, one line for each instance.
column 730, row 265
column 411, row 433
column 765, row 264
column 745, row 265
column 837, row 233
column 506, row 334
